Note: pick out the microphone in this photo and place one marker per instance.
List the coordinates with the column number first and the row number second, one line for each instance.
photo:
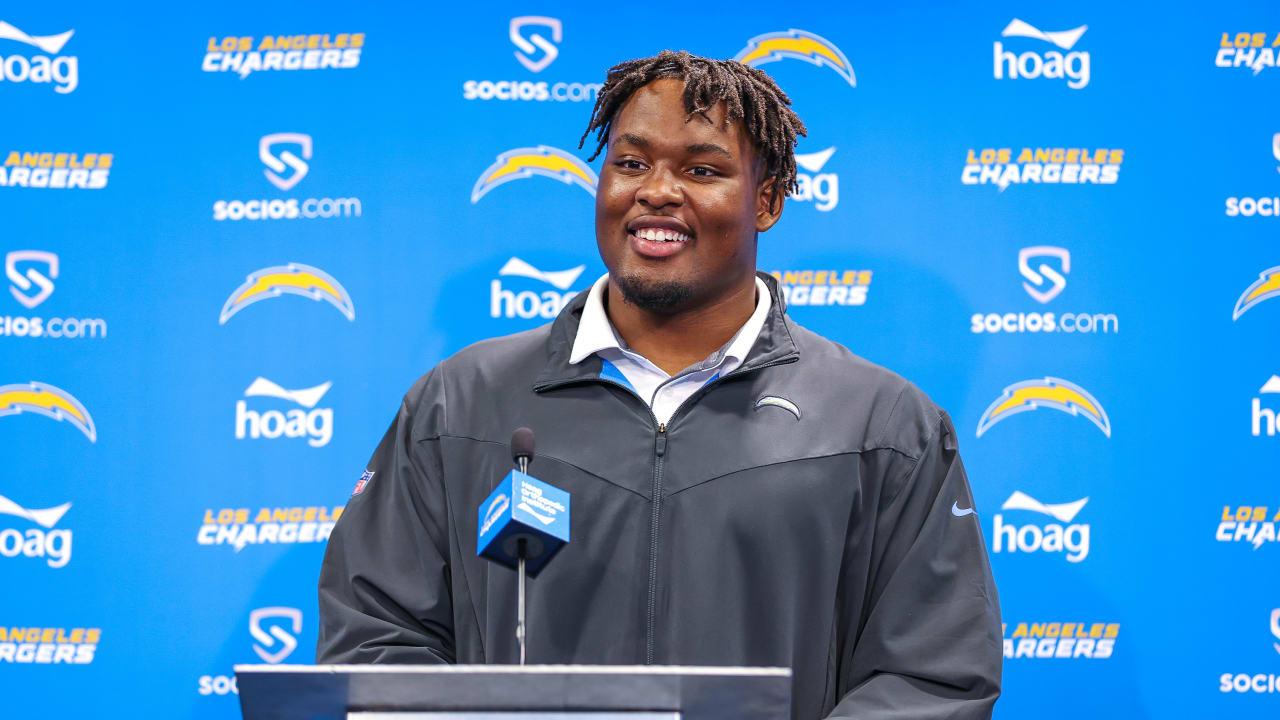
column 523, row 523
column 522, row 448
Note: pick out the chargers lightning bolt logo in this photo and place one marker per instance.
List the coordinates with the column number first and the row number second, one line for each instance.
column 49, row 401
column 796, row 45
column 1051, row 392
column 775, row 401
column 291, row 279
column 526, row 162
column 1264, row 288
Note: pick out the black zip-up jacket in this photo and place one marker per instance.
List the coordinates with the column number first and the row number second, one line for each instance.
column 836, row 542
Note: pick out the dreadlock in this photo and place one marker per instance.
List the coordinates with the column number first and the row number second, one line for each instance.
column 749, row 95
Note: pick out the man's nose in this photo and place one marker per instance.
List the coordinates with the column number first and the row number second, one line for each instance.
column 659, row 189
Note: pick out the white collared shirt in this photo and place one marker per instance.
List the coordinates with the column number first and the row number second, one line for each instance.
column 664, row 393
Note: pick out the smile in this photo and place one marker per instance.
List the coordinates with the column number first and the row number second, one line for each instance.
column 660, row 235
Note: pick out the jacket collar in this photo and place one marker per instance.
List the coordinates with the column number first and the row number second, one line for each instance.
column 773, row 346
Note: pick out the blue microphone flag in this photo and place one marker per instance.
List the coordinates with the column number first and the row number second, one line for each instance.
column 523, row 507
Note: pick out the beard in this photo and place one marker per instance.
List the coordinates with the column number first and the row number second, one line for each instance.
column 656, row 296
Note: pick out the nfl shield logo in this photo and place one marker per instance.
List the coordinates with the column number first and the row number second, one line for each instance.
column 362, row 483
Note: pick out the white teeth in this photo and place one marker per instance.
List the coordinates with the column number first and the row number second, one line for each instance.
column 660, row 235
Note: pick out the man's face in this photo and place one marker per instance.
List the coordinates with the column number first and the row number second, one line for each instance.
column 679, row 203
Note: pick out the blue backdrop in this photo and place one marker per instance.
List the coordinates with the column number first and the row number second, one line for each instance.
column 234, row 234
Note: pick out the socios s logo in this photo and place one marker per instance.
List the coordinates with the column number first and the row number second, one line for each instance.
column 534, row 42
column 1264, row 288
column 542, row 161
column 534, row 51
column 31, row 274
column 22, row 282
column 1035, row 278
column 43, row 541
column 1044, row 269
column 1050, row 392
column 1260, row 206
column 1275, row 628
column 796, row 45
column 285, row 169
column 1074, row 65
column 277, row 163
column 275, row 630
column 62, row 70
column 823, row 189
column 291, row 279
column 47, row 400
column 1263, row 683
column 275, row 642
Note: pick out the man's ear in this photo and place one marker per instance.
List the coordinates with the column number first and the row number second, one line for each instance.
column 769, row 201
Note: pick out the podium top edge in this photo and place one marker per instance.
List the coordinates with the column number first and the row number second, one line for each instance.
column 522, row 670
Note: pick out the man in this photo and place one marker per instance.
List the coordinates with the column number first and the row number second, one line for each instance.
column 745, row 492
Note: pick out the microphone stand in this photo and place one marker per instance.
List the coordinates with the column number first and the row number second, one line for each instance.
column 521, row 636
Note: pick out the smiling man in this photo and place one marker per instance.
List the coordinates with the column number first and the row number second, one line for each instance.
column 745, row 492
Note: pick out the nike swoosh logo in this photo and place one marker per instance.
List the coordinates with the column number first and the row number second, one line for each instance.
column 955, row 510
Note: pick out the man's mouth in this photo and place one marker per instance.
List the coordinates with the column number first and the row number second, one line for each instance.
column 659, row 235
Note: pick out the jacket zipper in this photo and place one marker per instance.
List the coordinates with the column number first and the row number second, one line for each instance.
column 659, row 455
column 659, row 452
column 651, row 625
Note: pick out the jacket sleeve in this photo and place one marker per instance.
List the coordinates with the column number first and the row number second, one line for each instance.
column 928, row 644
column 385, row 582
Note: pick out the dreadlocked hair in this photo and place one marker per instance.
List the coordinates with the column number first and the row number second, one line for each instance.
column 749, row 95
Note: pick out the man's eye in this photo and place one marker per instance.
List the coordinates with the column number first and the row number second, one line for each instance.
column 704, row 172
column 630, row 164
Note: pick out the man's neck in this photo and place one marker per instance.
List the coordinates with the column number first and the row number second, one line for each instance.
column 674, row 342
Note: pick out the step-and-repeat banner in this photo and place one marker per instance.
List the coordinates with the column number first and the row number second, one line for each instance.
column 234, row 235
